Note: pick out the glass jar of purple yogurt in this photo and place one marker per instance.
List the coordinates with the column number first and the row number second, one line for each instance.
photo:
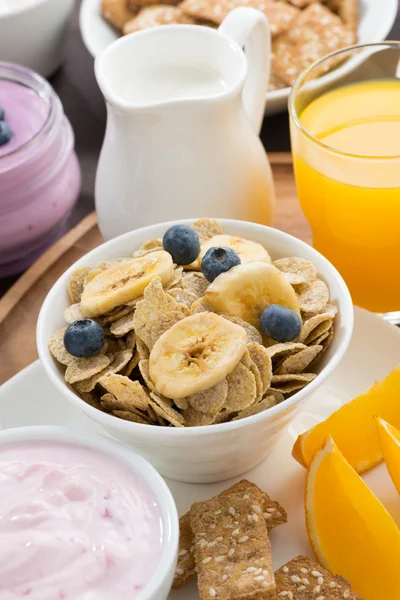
column 39, row 170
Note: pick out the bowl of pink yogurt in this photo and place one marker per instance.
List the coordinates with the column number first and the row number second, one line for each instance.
column 82, row 516
column 40, row 177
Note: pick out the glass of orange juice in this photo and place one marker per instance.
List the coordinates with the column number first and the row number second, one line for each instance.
column 345, row 132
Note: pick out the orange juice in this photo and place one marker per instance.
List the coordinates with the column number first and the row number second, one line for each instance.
column 349, row 186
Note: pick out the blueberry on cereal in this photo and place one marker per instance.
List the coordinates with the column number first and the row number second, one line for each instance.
column 84, row 338
column 5, row 133
column 218, row 260
column 280, row 323
column 182, row 243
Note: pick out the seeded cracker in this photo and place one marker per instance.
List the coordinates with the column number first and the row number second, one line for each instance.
column 315, row 33
column 156, row 313
column 313, row 296
column 304, row 579
column 238, row 566
column 273, row 514
column 76, row 283
column 84, row 368
column 151, row 16
column 57, row 348
column 128, row 393
column 241, row 388
column 297, row 363
column 118, row 362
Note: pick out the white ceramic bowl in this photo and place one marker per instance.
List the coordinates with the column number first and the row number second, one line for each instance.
column 159, row 586
column 33, row 32
column 376, row 21
column 214, row 452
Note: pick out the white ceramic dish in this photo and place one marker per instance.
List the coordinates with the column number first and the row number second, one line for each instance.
column 31, row 399
column 215, row 452
column 375, row 23
column 160, row 584
column 33, row 32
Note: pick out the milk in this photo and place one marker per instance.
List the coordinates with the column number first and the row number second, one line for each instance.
column 162, row 83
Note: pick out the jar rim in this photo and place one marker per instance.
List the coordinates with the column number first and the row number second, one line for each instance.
column 28, row 78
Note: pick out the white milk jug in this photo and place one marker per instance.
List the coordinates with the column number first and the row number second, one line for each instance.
column 185, row 106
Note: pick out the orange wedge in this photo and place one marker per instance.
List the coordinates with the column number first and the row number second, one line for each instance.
column 389, row 438
column 353, row 428
column 351, row 532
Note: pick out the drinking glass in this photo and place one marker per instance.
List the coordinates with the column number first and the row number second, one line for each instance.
column 345, row 134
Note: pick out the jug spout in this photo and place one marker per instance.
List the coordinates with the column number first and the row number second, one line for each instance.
column 196, row 64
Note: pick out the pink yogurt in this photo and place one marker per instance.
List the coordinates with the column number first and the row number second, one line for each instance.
column 39, row 170
column 75, row 524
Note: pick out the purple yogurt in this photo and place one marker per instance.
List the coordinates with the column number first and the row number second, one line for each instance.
column 39, row 170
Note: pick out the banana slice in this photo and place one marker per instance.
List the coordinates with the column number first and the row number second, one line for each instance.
column 248, row 251
column 124, row 282
column 195, row 354
column 247, row 289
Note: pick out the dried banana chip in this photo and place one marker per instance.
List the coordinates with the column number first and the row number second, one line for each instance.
column 84, row 368
column 57, row 348
column 207, row 228
column 156, row 313
column 165, row 411
column 262, row 359
column 297, row 363
column 76, row 283
column 113, row 262
column 242, row 389
column 123, row 325
column 287, row 384
column 73, row 313
column 253, row 335
column 91, row 275
column 302, row 268
column 313, row 296
column 211, row 400
column 182, row 296
column 118, row 362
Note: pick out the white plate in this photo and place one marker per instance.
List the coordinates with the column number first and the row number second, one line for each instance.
column 375, row 24
column 29, row 398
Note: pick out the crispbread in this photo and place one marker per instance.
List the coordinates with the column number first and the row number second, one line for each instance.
column 280, row 15
column 315, row 33
column 304, row 579
column 232, row 549
column 156, row 14
column 274, row 515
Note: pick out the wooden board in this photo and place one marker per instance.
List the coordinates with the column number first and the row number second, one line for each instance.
column 20, row 306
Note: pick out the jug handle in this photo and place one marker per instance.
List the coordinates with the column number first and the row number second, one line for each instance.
column 250, row 29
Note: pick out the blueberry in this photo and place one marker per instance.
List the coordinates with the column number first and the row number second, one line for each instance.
column 2, row 115
column 84, row 338
column 218, row 260
column 5, row 133
column 182, row 243
column 280, row 323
